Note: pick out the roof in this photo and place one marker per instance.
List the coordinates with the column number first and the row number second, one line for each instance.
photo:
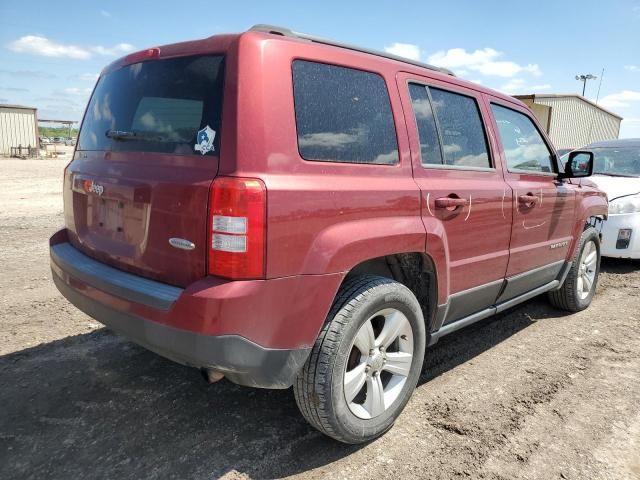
column 621, row 142
column 6, row 105
column 285, row 32
column 567, row 95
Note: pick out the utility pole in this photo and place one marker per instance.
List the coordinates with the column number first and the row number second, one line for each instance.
column 583, row 79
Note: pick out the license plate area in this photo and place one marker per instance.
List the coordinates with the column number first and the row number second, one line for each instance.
column 109, row 215
column 117, row 220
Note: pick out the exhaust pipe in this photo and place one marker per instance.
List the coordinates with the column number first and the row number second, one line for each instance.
column 212, row 376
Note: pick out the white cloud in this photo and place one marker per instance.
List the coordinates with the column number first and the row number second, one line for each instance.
column 27, row 74
column 518, row 85
column 512, row 86
column 536, row 88
column 89, row 76
column 14, row 89
column 406, row 50
column 37, row 45
column 104, row 13
column 78, row 92
column 630, row 128
column 115, row 50
column 621, row 99
column 485, row 61
column 632, row 68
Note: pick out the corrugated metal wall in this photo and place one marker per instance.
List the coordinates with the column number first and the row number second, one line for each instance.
column 542, row 113
column 575, row 123
column 17, row 127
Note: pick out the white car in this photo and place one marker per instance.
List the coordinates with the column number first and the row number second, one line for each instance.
column 616, row 171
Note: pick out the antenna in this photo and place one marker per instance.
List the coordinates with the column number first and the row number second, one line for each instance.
column 599, row 85
column 593, row 115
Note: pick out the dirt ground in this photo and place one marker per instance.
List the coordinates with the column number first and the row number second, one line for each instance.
column 530, row 394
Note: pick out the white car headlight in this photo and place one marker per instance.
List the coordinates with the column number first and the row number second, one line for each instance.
column 630, row 204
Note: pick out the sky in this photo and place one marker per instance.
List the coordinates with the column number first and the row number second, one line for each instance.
column 51, row 54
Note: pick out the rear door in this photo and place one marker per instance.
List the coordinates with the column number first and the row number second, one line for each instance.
column 543, row 206
column 462, row 187
column 147, row 153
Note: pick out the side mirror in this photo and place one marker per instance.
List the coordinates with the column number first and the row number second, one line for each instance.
column 579, row 165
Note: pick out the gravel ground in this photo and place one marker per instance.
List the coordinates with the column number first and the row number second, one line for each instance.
column 531, row 394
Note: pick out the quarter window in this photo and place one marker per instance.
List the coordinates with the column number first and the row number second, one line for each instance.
column 523, row 145
column 343, row 115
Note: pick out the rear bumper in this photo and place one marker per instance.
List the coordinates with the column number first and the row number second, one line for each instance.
column 610, row 229
column 247, row 330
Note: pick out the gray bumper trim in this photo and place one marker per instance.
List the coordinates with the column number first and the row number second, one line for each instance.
column 242, row 361
column 113, row 281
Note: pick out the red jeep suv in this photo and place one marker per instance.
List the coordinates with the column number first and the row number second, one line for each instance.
column 284, row 210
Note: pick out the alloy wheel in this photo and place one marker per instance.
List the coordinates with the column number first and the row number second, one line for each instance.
column 587, row 269
column 379, row 363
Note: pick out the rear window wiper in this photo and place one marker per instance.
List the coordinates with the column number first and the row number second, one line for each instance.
column 131, row 135
column 122, row 135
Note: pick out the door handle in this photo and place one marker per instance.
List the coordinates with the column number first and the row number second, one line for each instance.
column 528, row 199
column 450, row 202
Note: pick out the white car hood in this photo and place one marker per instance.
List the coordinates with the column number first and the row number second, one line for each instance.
column 616, row 187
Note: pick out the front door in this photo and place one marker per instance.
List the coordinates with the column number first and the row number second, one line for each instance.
column 543, row 206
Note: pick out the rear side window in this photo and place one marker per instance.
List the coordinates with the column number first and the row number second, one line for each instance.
column 523, row 145
column 430, row 152
column 463, row 139
column 343, row 115
column 169, row 106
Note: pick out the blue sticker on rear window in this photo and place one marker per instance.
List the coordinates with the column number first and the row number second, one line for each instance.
column 206, row 136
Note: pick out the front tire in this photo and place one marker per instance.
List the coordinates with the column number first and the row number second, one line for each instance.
column 579, row 287
column 366, row 361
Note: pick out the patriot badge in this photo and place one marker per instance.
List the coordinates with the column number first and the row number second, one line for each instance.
column 205, row 137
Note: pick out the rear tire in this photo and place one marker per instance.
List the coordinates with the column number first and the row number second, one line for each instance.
column 579, row 287
column 366, row 361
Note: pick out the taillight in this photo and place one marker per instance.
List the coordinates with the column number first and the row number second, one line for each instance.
column 236, row 228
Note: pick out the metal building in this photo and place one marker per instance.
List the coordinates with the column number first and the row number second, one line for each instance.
column 18, row 127
column 571, row 120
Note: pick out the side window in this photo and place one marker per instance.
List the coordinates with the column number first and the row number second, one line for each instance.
column 523, row 145
column 343, row 115
column 430, row 152
column 464, row 143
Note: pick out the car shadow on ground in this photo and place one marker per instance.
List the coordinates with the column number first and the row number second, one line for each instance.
column 619, row 266
column 462, row 346
column 97, row 406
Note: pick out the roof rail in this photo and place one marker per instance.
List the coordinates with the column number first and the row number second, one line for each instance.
column 285, row 32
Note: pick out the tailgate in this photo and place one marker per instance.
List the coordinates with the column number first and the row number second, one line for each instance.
column 136, row 193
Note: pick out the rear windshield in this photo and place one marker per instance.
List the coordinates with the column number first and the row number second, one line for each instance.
column 169, row 106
